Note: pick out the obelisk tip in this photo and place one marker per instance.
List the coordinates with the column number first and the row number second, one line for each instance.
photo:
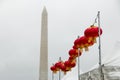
column 44, row 9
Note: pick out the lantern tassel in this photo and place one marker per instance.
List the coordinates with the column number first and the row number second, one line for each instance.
column 86, row 49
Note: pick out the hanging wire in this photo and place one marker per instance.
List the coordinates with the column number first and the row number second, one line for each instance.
column 95, row 21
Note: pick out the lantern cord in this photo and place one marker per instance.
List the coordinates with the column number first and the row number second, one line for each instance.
column 95, row 21
column 99, row 47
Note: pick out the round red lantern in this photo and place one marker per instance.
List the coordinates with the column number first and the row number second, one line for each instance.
column 73, row 64
column 67, row 65
column 53, row 68
column 58, row 65
column 74, row 53
column 74, row 47
column 76, row 44
column 92, row 32
column 71, row 58
column 82, row 42
column 64, row 69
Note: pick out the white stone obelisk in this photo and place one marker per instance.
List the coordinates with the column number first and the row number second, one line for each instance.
column 44, row 47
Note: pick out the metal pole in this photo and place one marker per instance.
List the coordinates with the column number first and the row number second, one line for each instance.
column 59, row 70
column 100, row 61
column 59, row 75
column 78, row 64
column 52, row 76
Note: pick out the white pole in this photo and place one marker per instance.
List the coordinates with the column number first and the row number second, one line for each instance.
column 100, row 61
column 52, row 76
column 59, row 70
column 78, row 64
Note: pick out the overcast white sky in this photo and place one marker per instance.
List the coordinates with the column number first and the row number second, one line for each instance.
column 20, row 33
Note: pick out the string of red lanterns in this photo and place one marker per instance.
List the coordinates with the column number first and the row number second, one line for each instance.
column 83, row 42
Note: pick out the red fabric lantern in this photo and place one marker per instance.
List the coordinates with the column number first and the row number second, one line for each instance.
column 74, row 47
column 92, row 32
column 85, row 41
column 73, row 64
column 70, row 64
column 53, row 68
column 74, row 53
column 71, row 58
column 76, row 44
column 82, row 42
column 64, row 69
column 67, row 64
column 58, row 65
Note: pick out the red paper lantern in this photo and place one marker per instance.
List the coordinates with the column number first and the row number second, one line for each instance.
column 67, row 64
column 73, row 64
column 64, row 69
column 53, row 68
column 70, row 64
column 83, row 42
column 74, row 53
column 71, row 58
column 74, row 47
column 92, row 32
column 58, row 65
column 76, row 44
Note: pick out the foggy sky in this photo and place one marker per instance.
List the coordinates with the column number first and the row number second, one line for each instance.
column 20, row 26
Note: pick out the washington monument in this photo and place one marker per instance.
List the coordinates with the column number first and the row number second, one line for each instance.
column 44, row 47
